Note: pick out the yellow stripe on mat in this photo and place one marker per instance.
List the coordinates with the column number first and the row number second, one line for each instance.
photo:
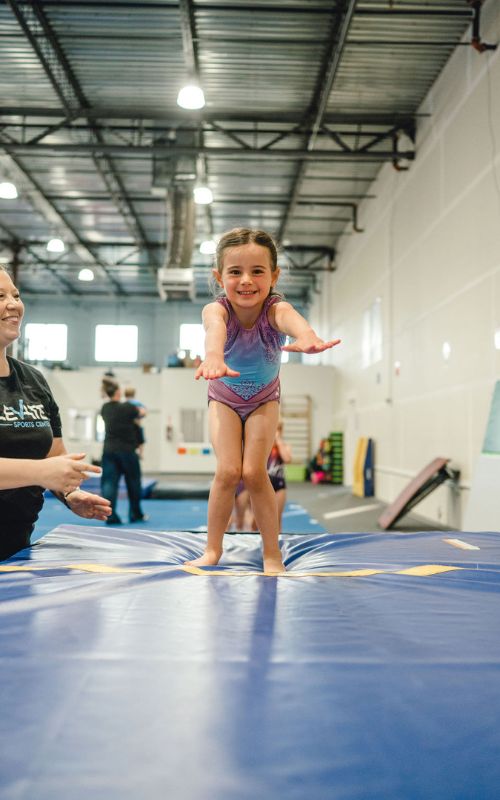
column 461, row 544
column 423, row 571
column 80, row 567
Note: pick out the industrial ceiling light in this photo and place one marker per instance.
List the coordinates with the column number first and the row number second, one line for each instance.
column 191, row 97
column 85, row 274
column 7, row 191
column 208, row 247
column 203, row 195
column 55, row 246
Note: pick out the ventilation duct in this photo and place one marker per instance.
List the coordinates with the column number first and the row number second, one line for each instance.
column 176, row 174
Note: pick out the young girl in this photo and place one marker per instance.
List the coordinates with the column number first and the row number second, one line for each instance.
column 246, row 329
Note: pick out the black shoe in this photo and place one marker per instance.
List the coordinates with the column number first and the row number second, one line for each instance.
column 144, row 518
column 114, row 519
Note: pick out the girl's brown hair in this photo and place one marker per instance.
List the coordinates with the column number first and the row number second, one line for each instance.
column 239, row 236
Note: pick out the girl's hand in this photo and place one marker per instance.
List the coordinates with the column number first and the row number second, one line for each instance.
column 88, row 506
column 64, row 473
column 214, row 367
column 308, row 342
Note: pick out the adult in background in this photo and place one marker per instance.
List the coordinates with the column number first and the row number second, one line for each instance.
column 32, row 453
column 119, row 456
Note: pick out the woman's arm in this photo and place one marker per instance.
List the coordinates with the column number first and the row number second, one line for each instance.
column 60, row 471
column 213, row 366
column 288, row 320
column 84, row 504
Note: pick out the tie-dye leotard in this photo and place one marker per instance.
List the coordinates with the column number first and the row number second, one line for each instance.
column 256, row 354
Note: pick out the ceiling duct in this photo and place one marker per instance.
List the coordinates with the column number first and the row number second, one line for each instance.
column 176, row 284
column 176, row 175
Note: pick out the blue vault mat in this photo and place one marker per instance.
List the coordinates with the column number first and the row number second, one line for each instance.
column 370, row 671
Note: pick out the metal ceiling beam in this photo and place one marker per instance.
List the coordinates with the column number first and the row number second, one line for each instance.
column 36, row 197
column 233, row 132
column 15, row 244
column 253, row 153
column 315, row 117
column 173, row 118
column 266, row 6
column 40, row 34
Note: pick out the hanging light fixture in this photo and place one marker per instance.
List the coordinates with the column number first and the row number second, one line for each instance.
column 85, row 274
column 191, row 97
column 208, row 247
column 203, row 195
column 55, row 246
column 7, row 191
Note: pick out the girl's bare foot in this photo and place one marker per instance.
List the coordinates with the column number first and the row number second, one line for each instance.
column 274, row 563
column 209, row 559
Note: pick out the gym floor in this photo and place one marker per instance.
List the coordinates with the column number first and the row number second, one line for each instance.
column 334, row 507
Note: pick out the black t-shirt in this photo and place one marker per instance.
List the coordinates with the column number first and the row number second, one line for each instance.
column 29, row 420
column 121, row 430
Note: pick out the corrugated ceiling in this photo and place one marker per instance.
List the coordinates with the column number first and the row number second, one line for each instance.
column 305, row 101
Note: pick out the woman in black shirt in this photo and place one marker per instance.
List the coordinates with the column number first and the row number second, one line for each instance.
column 32, row 452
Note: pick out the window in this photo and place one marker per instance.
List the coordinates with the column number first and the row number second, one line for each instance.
column 372, row 334
column 192, row 339
column 46, row 342
column 116, row 343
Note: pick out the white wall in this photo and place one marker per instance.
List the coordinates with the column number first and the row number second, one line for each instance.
column 165, row 393
column 431, row 251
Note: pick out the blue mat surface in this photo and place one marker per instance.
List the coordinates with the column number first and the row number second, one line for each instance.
column 370, row 671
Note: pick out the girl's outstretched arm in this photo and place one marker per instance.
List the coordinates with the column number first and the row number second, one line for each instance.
column 213, row 366
column 289, row 321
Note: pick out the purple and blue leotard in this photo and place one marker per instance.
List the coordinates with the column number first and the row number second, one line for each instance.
column 256, row 354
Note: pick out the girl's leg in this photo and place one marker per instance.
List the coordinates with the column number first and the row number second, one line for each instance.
column 281, row 499
column 226, row 437
column 260, row 429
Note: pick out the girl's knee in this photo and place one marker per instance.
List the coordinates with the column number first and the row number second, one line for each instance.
column 254, row 477
column 228, row 474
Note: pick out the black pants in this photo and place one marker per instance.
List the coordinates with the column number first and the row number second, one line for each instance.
column 114, row 465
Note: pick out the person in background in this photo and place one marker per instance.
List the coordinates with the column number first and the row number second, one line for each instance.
column 119, row 455
column 32, row 453
column 242, row 518
column 141, row 439
column 245, row 332
column 281, row 454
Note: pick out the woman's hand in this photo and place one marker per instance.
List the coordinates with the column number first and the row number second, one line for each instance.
column 214, row 367
column 64, row 473
column 87, row 505
column 309, row 342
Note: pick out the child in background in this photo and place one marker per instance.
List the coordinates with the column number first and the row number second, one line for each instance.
column 281, row 454
column 246, row 329
column 141, row 439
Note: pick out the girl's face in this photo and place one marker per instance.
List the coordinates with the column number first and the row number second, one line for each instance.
column 246, row 275
column 11, row 311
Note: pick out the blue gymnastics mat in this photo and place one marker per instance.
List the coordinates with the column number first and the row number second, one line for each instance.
column 370, row 671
